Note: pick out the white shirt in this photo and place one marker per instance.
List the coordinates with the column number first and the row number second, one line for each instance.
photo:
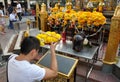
column 12, row 17
column 1, row 12
column 19, row 8
column 23, row 71
column 2, row 20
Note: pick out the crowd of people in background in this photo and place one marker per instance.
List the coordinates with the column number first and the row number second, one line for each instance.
column 19, row 8
column 14, row 13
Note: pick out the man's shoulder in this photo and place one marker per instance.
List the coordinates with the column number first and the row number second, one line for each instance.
column 13, row 55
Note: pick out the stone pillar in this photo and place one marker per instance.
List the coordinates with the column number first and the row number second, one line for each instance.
column 37, row 14
column 28, row 4
column 114, row 38
column 113, row 41
column 43, row 17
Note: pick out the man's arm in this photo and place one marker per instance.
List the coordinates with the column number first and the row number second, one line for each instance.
column 52, row 72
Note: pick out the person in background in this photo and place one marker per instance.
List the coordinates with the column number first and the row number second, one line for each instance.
column 21, row 70
column 19, row 10
column 2, row 21
column 23, row 10
column 1, row 11
column 9, row 9
column 13, row 18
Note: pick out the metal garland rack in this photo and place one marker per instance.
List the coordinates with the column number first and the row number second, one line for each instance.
column 101, row 35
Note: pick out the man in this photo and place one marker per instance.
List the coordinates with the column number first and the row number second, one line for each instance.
column 2, row 21
column 9, row 9
column 19, row 10
column 21, row 70
column 13, row 18
column 1, row 11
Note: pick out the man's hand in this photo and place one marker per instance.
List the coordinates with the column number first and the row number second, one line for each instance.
column 53, row 46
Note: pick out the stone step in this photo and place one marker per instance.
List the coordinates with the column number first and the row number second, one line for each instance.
column 99, row 76
column 116, row 71
column 96, row 75
column 116, row 68
column 97, row 65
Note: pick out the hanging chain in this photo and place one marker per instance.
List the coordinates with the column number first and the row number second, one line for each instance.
column 95, row 32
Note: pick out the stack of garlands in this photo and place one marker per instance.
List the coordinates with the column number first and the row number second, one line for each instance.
column 90, row 19
column 48, row 37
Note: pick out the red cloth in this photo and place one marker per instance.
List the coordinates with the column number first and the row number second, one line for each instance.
column 33, row 12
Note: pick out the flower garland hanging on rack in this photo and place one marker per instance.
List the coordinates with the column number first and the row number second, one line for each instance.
column 89, row 19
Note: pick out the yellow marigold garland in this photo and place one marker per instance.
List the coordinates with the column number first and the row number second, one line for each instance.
column 83, row 18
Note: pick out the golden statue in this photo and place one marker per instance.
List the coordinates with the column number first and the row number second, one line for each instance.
column 43, row 17
column 77, row 6
column 101, row 5
column 43, row 7
column 68, row 1
column 68, row 6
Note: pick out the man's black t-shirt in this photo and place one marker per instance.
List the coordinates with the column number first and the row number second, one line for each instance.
column 10, row 9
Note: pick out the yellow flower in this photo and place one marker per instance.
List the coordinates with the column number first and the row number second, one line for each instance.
column 83, row 17
column 48, row 37
column 58, row 36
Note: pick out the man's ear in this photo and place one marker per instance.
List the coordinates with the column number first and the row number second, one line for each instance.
column 32, row 52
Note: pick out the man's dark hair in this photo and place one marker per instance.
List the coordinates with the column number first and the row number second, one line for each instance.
column 28, row 44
